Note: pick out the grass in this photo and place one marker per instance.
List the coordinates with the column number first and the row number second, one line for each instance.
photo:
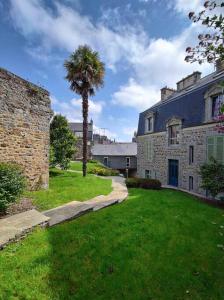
column 77, row 165
column 67, row 186
column 156, row 245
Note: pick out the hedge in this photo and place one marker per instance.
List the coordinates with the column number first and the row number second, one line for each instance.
column 143, row 183
column 104, row 171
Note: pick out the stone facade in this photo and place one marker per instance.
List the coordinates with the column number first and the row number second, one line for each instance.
column 162, row 152
column 78, row 155
column 25, row 115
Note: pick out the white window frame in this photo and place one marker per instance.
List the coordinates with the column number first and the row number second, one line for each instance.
column 214, row 91
column 149, row 174
column 213, row 144
column 173, row 140
column 148, row 150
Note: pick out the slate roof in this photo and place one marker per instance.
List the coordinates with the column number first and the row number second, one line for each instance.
column 78, row 127
column 115, row 149
column 187, row 104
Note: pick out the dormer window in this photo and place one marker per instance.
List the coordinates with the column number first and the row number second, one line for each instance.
column 149, row 123
column 174, row 126
column 173, row 134
column 217, row 102
column 214, row 99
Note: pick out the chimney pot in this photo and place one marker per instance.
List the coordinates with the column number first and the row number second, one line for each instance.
column 188, row 81
column 166, row 93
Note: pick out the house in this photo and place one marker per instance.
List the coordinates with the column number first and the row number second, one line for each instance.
column 178, row 134
column 119, row 156
column 25, row 113
column 77, row 129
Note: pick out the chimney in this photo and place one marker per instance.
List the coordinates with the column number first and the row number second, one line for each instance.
column 166, row 93
column 219, row 65
column 188, row 81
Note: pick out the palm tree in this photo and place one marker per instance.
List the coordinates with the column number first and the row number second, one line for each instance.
column 85, row 73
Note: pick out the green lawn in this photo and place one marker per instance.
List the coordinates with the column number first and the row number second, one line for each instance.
column 156, row 245
column 77, row 166
column 68, row 186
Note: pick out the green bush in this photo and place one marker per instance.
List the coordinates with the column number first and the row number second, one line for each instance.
column 12, row 184
column 212, row 174
column 104, row 172
column 93, row 161
column 143, row 183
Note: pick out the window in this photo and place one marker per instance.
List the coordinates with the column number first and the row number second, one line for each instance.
column 217, row 102
column 173, row 134
column 215, row 148
column 191, row 183
column 147, row 174
column 105, row 161
column 191, row 155
column 128, row 162
column 148, row 150
column 149, row 124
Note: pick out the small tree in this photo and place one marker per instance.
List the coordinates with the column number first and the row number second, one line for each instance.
column 62, row 142
column 211, row 45
column 212, row 174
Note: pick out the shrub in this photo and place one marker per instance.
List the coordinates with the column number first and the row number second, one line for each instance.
column 132, row 182
column 104, row 172
column 12, row 184
column 152, row 184
column 93, row 161
column 143, row 183
column 212, row 174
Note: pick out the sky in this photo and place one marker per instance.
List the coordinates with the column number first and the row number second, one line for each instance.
column 141, row 42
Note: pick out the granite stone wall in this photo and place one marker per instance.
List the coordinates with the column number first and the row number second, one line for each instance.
column 25, row 115
column 157, row 162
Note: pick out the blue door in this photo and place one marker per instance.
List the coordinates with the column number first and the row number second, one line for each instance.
column 173, row 172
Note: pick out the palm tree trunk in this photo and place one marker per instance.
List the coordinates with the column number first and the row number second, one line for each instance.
column 85, row 130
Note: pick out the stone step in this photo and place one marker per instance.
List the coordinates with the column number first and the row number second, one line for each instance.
column 67, row 212
column 15, row 226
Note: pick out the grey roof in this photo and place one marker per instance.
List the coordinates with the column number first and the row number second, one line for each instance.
column 78, row 127
column 115, row 149
column 213, row 77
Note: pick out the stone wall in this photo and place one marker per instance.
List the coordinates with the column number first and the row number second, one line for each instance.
column 24, row 127
column 162, row 152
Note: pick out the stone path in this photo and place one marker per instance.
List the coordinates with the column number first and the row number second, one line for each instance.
column 74, row 209
column 14, row 227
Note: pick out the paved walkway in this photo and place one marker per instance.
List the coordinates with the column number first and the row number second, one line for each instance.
column 14, row 227
column 17, row 225
column 75, row 209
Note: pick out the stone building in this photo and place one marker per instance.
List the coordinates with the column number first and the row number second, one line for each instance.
column 25, row 115
column 178, row 134
column 77, row 129
column 119, row 156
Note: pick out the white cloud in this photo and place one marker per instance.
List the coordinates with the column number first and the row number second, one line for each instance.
column 160, row 64
column 135, row 95
column 185, row 6
column 66, row 29
column 154, row 63
column 129, row 131
column 73, row 109
column 104, row 131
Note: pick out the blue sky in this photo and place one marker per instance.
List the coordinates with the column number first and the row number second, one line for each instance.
column 142, row 43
